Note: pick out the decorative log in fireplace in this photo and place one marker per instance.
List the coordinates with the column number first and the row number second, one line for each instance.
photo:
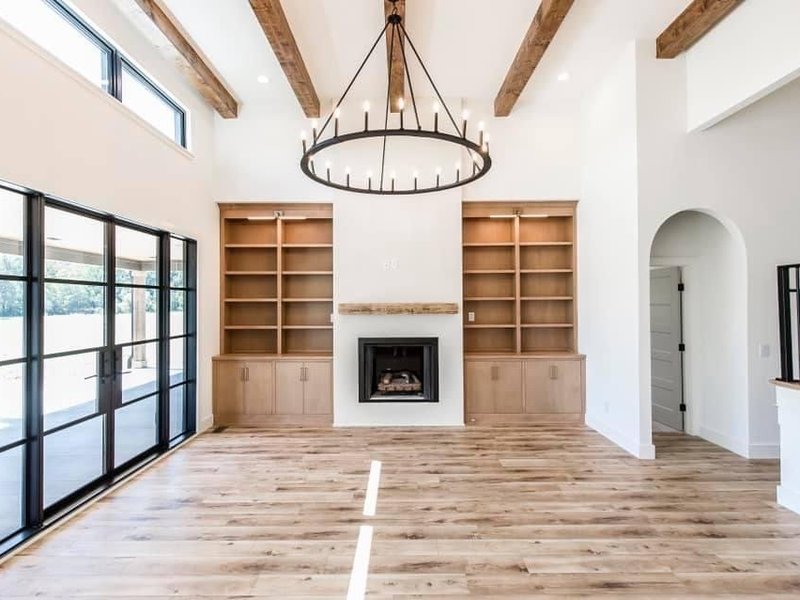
column 398, row 370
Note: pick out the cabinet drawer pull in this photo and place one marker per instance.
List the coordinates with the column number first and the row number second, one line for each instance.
column 247, row 373
column 553, row 372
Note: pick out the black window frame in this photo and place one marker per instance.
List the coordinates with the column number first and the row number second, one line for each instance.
column 36, row 516
column 113, row 64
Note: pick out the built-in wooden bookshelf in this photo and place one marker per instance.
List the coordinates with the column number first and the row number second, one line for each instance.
column 519, row 277
column 277, row 279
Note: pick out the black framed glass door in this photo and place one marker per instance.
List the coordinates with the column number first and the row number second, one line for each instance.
column 97, row 353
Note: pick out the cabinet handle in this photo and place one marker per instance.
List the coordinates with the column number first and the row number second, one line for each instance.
column 247, row 373
column 241, row 374
column 303, row 376
column 553, row 372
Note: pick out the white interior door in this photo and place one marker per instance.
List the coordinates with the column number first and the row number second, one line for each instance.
column 665, row 338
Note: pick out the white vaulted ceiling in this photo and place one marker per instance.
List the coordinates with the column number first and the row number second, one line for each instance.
column 468, row 45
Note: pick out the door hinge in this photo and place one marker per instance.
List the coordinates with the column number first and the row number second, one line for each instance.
column 681, row 347
column 681, row 287
column 683, row 407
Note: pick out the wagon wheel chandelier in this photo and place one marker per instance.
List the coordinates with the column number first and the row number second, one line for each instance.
column 435, row 179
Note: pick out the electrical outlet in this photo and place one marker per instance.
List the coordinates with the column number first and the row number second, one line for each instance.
column 471, row 317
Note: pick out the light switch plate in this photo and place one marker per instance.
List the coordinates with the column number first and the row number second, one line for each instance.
column 471, row 317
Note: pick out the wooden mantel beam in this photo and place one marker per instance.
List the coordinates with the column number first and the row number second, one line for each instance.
column 397, row 70
column 273, row 21
column 692, row 24
column 543, row 29
column 202, row 74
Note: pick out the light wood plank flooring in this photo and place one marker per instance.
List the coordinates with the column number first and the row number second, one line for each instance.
column 502, row 513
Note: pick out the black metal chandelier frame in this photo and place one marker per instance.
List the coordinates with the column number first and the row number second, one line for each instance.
column 478, row 151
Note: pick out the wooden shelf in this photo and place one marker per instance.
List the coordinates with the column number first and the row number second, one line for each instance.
column 249, row 273
column 519, row 277
column 277, row 279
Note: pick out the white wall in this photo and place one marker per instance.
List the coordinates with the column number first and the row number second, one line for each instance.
column 420, row 237
column 751, row 53
column 608, row 261
column 743, row 171
column 65, row 137
column 714, row 272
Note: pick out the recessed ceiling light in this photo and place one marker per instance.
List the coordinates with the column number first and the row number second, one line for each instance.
column 563, row 76
column 262, row 79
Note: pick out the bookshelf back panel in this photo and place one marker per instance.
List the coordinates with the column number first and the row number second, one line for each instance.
column 307, row 259
column 242, row 231
column 547, row 340
column 546, row 311
column 546, row 257
column 307, row 341
column 489, row 340
column 251, row 259
column 251, row 287
column 311, row 231
column 308, row 286
column 246, row 341
column 489, row 286
column 245, row 313
column 546, row 284
column 486, row 258
column 551, row 229
column 499, row 312
column 484, row 230
column 307, row 313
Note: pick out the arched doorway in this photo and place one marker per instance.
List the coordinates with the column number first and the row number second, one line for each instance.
column 705, row 378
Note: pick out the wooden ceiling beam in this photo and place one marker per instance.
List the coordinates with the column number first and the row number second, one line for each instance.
column 698, row 19
column 202, row 74
column 273, row 21
column 397, row 70
column 545, row 25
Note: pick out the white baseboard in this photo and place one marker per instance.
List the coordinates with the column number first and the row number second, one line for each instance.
column 764, row 451
column 643, row 451
column 720, row 439
column 205, row 424
column 789, row 498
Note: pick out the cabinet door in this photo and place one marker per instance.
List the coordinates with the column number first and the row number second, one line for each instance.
column 259, row 388
column 507, row 388
column 317, row 392
column 288, row 388
column 479, row 387
column 553, row 387
column 228, row 387
column 565, row 388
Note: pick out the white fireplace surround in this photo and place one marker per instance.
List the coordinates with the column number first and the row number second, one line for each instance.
column 414, row 256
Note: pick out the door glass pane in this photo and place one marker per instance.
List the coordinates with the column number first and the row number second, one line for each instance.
column 177, row 411
column 145, row 102
column 177, row 315
column 74, row 246
column 74, row 317
column 12, row 403
column 73, row 457
column 137, row 315
column 177, row 361
column 51, row 30
column 12, row 321
column 11, row 233
column 11, row 469
column 135, row 429
column 177, row 258
column 139, row 371
column 137, row 257
column 70, row 388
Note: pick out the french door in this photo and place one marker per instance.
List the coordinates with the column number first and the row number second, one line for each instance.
column 102, row 320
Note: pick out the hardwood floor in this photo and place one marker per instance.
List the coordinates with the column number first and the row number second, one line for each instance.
column 507, row 513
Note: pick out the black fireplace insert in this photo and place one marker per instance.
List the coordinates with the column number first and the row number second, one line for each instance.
column 398, row 369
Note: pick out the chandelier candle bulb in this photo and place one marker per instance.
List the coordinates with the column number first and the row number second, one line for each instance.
column 458, row 172
column 328, row 169
column 366, row 116
column 311, row 166
column 465, row 117
column 416, row 177
column 303, row 140
column 394, row 176
column 438, row 175
column 401, row 105
column 481, row 127
column 369, row 180
column 436, row 116
column 314, row 125
column 336, row 114
column 347, row 176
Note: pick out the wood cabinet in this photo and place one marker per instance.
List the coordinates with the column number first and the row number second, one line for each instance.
column 303, row 388
column 259, row 391
column 524, row 389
